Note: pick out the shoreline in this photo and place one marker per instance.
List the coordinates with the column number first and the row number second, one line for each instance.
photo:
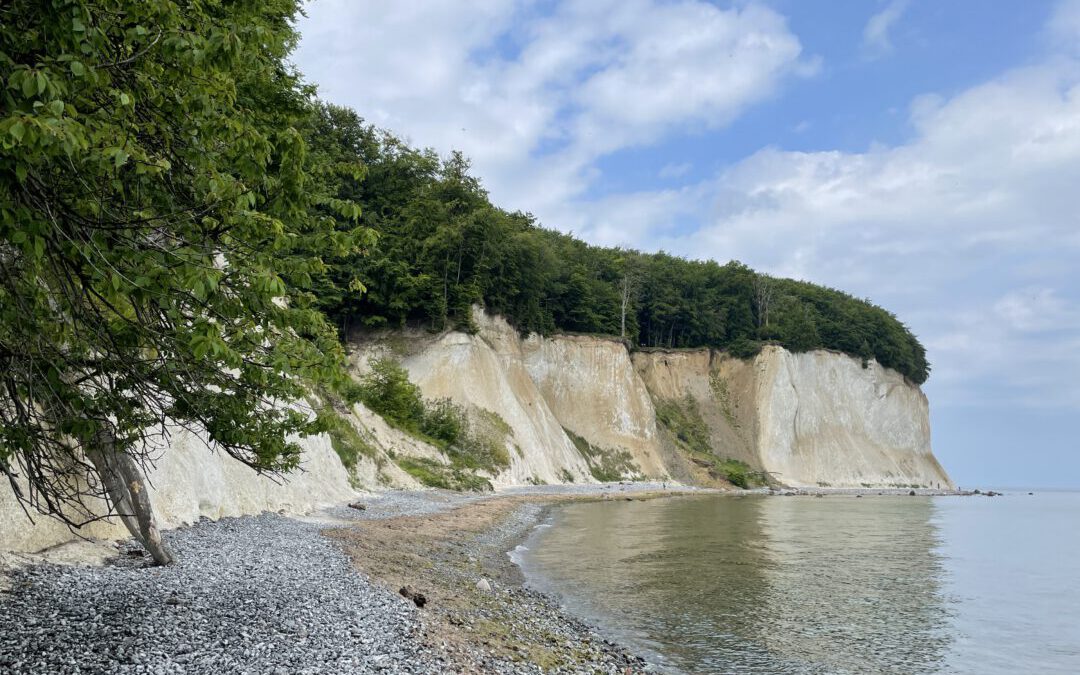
column 320, row 593
column 477, row 607
column 275, row 594
column 471, row 543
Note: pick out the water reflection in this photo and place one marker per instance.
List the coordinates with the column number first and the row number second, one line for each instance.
column 754, row 584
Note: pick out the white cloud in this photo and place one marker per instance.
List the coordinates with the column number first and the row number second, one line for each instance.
column 876, row 38
column 1035, row 310
column 535, row 99
column 970, row 232
column 1064, row 26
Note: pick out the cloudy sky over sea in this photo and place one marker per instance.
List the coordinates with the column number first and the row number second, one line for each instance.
column 923, row 154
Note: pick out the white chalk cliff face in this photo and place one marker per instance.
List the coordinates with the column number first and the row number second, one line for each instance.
column 590, row 385
column 823, row 418
column 190, row 482
column 812, row 419
column 488, row 371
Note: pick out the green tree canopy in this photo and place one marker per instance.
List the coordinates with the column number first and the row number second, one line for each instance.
column 443, row 247
column 159, row 215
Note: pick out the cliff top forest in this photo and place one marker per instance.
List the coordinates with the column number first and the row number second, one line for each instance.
column 443, row 246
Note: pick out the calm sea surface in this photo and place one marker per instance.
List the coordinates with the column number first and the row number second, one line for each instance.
column 836, row 584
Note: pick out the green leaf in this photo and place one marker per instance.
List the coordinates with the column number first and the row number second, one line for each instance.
column 17, row 130
column 77, row 68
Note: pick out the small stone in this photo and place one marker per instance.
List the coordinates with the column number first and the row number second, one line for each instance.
column 418, row 598
column 484, row 585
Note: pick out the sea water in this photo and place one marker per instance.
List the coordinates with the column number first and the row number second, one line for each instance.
column 837, row 584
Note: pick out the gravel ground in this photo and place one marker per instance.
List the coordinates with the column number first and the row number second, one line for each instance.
column 260, row 594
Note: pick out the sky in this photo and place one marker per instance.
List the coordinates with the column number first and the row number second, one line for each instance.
column 922, row 154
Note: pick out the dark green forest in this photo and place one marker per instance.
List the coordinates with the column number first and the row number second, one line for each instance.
column 443, row 246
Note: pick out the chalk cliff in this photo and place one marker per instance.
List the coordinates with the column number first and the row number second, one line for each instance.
column 813, row 419
column 190, row 482
column 574, row 408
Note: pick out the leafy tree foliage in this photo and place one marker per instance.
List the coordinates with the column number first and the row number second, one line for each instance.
column 443, row 247
column 155, row 196
column 386, row 389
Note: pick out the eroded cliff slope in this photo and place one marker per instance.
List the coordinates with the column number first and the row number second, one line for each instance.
column 574, row 409
column 580, row 408
column 813, row 419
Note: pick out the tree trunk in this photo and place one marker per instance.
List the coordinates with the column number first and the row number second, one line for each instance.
column 126, row 490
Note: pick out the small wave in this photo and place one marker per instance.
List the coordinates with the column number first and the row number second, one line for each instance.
column 516, row 555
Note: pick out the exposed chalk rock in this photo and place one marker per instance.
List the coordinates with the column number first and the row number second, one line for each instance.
column 189, row 482
column 809, row 419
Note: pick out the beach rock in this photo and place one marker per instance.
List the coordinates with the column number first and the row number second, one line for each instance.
column 484, row 585
column 911, row 494
column 358, row 506
column 418, row 598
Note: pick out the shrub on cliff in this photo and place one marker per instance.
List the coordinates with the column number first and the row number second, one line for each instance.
column 386, row 390
column 479, row 443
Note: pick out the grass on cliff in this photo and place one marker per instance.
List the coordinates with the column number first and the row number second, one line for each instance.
column 605, row 464
column 349, row 444
column 683, row 419
column 448, row 477
column 482, row 442
column 738, row 473
column 386, row 390
column 722, row 395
